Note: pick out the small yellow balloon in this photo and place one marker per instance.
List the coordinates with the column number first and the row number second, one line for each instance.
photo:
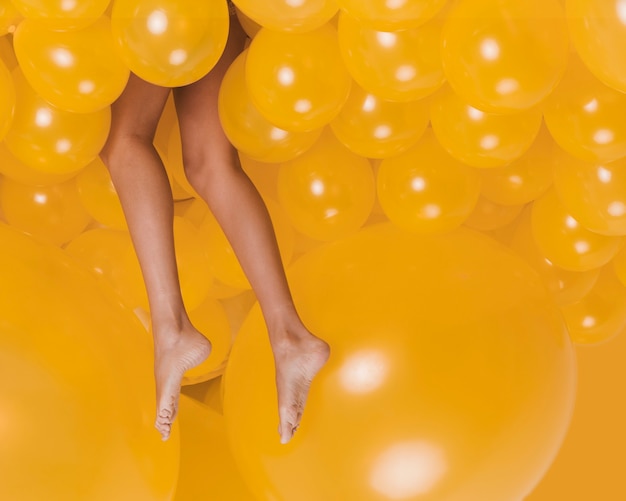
column 479, row 138
column 392, row 16
column 75, row 71
column 504, row 56
column 327, row 192
column 170, row 42
column 7, row 100
column 565, row 241
column 425, row 190
column 298, row 81
column 18, row 171
column 377, row 128
column 52, row 140
column 289, row 16
column 248, row 130
column 52, row 213
column 400, row 65
column 99, row 197
column 62, row 15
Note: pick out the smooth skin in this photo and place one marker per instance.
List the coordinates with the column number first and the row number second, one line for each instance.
column 213, row 169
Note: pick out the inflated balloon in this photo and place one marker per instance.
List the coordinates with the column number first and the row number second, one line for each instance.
column 586, row 117
column 619, row 266
column 426, row 190
column 524, row 179
column 594, row 193
column 207, row 468
column 298, row 81
column 99, row 197
column 210, row 318
column 286, row 15
column 263, row 175
column 7, row 55
column 505, row 56
column 565, row 241
column 598, row 32
column 167, row 121
column 78, row 412
column 175, row 168
column 249, row 26
column 7, row 100
column 63, row 15
column 479, row 138
column 170, row 42
column 377, row 128
column 489, row 216
column 601, row 314
column 327, row 192
column 248, row 130
column 450, row 366
column 397, row 65
column 392, row 16
column 75, row 71
column 52, row 140
column 18, row 171
column 9, row 17
column 52, row 213
column 567, row 287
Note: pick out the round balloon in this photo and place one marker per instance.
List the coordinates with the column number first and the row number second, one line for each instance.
column 450, row 366
column 63, row 15
column 7, row 103
column 287, row 15
column 392, row 16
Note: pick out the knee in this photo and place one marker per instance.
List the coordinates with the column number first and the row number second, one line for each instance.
column 204, row 168
column 118, row 150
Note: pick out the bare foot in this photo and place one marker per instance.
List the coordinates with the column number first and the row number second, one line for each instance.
column 173, row 356
column 298, row 359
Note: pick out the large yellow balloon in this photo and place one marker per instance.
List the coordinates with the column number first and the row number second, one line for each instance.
column 377, row 128
column 63, row 15
column 75, row 71
column 18, row 171
column 9, row 17
column 426, row 190
column 392, row 16
column 450, row 367
column 78, row 403
column 598, row 32
column 248, row 130
column 478, row 138
column 52, row 140
column 286, row 15
column 397, row 65
column 586, row 117
column 565, row 241
column 327, row 192
column 505, row 56
column 52, row 213
column 7, row 100
column 170, row 42
column 297, row 80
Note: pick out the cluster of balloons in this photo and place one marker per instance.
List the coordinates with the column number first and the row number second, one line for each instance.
column 437, row 116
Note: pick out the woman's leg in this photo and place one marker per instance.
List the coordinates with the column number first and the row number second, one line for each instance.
column 143, row 187
column 213, row 169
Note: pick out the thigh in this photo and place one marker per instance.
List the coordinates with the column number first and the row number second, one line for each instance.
column 196, row 106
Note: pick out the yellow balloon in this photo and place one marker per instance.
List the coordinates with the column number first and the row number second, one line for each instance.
column 9, row 17
column 248, row 130
column 489, row 216
column 7, row 100
column 450, row 366
column 289, row 16
column 297, row 80
column 60, row 15
column 601, row 314
column 400, row 65
column 585, row 116
column 75, row 71
column 391, row 16
column 565, row 241
column 263, row 175
column 598, row 33
column 176, row 168
column 77, row 414
column 479, row 138
column 249, row 26
column 327, row 192
column 52, row 213
column 524, row 179
column 52, row 140
column 593, row 193
column 170, row 42
column 377, row 128
column 18, row 171
column 99, row 197
column 619, row 266
column 426, row 190
column 504, row 56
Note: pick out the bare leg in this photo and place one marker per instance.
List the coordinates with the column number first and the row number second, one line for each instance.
column 142, row 185
column 213, row 169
